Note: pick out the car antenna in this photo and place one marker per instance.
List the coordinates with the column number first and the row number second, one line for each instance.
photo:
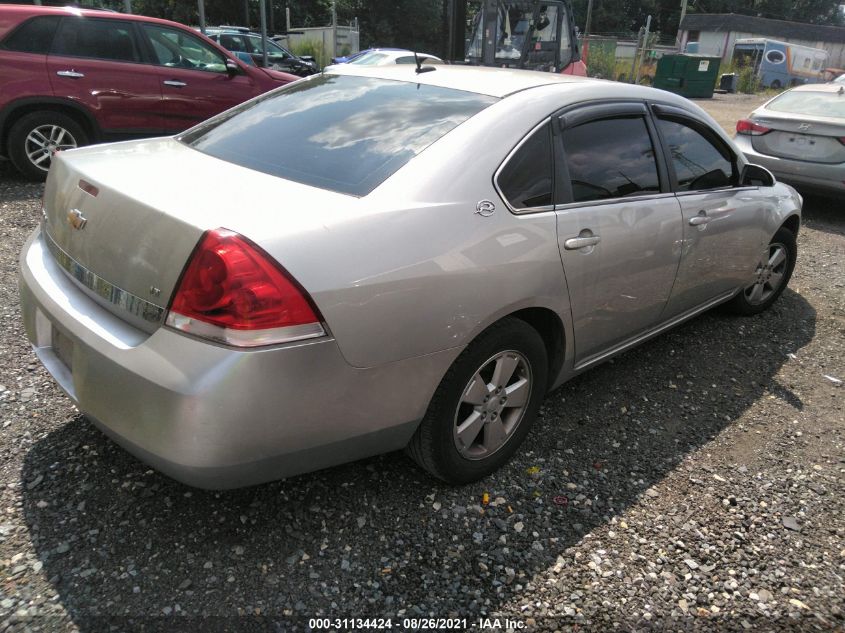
column 420, row 67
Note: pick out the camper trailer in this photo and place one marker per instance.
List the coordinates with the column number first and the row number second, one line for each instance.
column 780, row 64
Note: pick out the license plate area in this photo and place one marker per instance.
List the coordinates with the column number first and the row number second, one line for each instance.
column 62, row 348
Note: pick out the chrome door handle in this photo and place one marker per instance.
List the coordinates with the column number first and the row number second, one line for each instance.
column 70, row 73
column 574, row 243
column 174, row 82
column 699, row 220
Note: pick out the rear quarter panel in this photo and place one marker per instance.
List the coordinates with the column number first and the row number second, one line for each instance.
column 416, row 270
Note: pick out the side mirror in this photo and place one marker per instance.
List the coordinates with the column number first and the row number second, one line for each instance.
column 232, row 67
column 756, row 176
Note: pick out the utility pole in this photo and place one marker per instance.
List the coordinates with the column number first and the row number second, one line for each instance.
column 263, row 8
column 246, row 13
column 201, row 6
column 642, row 52
column 590, row 17
column 127, row 5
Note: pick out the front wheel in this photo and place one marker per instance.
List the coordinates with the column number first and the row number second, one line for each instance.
column 772, row 273
column 485, row 405
column 35, row 137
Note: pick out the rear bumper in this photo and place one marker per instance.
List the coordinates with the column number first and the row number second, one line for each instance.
column 212, row 416
column 806, row 176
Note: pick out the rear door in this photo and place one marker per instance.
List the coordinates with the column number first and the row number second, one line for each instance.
column 619, row 226
column 24, row 59
column 98, row 63
column 193, row 77
column 723, row 225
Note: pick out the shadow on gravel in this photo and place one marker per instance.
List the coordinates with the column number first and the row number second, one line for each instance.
column 823, row 214
column 368, row 538
column 14, row 187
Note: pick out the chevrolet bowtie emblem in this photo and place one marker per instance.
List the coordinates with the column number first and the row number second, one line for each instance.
column 76, row 219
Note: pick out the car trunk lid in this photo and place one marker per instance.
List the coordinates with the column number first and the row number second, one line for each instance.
column 810, row 139
column 124, row 219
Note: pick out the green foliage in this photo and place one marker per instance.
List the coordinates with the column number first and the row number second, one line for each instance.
column 601, row 59
column 747, row 82
column 314, row 48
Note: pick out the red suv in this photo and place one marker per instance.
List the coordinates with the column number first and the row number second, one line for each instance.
column 71, row 77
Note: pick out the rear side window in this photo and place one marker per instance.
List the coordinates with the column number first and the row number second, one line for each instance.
column 610, row 158
column 698, row 162
column 96, row 39
column 34, row 36
column 526, row 179
column 341, row 133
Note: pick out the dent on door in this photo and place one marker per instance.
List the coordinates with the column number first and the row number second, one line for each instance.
column 620, row 261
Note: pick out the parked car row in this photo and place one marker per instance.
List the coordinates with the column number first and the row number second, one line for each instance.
column 71, row 77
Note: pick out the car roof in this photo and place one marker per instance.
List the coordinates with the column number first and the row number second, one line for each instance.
column 494, row 82
column 828, row 87
column 29, row 10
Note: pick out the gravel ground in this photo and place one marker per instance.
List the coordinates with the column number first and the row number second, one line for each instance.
column 695, row 483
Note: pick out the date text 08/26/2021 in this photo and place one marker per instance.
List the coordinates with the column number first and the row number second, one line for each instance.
column 415, row 624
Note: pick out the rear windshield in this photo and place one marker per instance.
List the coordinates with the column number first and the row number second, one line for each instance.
column 824, row 104
column 343, row 133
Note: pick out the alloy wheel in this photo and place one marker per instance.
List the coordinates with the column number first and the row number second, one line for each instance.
column 769, row 275
column 492, row 405
column 45, row 140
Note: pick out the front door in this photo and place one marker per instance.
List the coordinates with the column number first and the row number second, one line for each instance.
column 620, row 232
column 723, row 223
column 193, row 77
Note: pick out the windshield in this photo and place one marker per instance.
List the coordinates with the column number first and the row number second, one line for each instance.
column 343, row 133
column 822, row 104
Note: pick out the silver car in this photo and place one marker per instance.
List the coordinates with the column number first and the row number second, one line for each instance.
column 800, row 137
column 375, row 259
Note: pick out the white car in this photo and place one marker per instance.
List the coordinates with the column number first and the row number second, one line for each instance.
column 386, row 58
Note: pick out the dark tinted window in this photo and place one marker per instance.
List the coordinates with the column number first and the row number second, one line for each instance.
column 34, row 36
column 526, row 179
column 341, row 133
column 610, row 158
column 699, row 164
column 96, row 39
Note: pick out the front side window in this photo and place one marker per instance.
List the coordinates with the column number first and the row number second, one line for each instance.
column 34, row 36
column 698, row 163
column 526, row 179
column 336, row 132
column 176, row 49
column 96, row 39
column 610, row 158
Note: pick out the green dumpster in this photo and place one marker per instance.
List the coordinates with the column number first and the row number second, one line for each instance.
column 687, row 75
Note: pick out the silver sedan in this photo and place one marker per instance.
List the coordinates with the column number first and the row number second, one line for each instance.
column 376, row 259
column 800, row 137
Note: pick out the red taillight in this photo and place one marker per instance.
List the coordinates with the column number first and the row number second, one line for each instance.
column 234, row 292
column 747, row 126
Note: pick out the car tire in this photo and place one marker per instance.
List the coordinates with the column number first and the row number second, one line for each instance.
column 775, row 84
column 35, row 136
column 492, row 391
column 772, row 274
